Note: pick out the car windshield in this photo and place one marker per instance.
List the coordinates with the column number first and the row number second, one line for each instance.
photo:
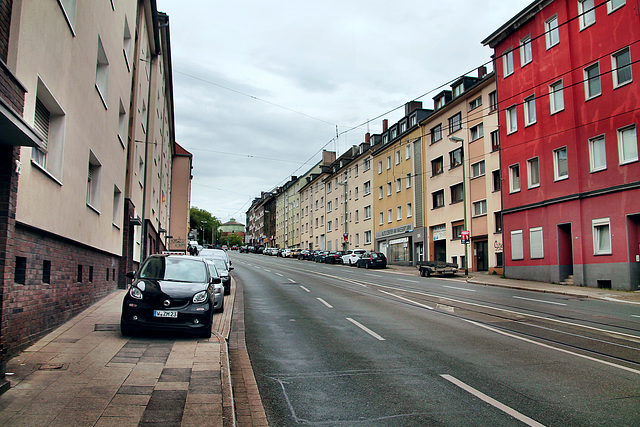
column 175, row 269
column 219, row 263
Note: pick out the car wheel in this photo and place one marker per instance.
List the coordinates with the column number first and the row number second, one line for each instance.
column 206, row 333
column 125, row 330
column 367, row 266
column 422, row 272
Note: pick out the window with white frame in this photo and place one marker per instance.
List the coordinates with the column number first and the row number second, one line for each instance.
column 592, row 86
column 122, row 125
column 367, row 212
column 93, row 181
column 409, row 210
column 379, row 167
column 533, row 173
column 495, row 140
column 457, row 193
column 126, row 43
column 514, row 178
column 367, row 188
column 367, row 237
column 475, row 103
column 407, row 152
column 530, row 110
column 477, row 132
column 367, row 164
column 329, row 225
column 390, row 215
column 586, row 13
column 380, row 192
column 116, row 218
column 627, row 145
column 398, row 157
column 560, row 164
column 408, row 178
column 329, row 206
column 398, row 185
column 526, row 53
column 621, row 67
column 436, row 133
column 477, row 169
column 613, row 5
column 536, row 246
column 388, row 188
column 601, row 236
column 597, row 154
column 493, row 101
column 551, row 32
column 457, row 90
column 455, row 158
column 388, row 162
column 102, row 72
column 556, row 97
column 381, row 218
column 49, row 121
column 480, row 208
column 517, row 249
column 507, row 63
column 512, row 119
column 437, row 166
column 455, row 123
column 399, row 212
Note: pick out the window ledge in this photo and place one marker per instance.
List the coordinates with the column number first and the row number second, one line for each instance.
column 46, row 172
column 104, row 101
column 115, row 225
column 92, row 208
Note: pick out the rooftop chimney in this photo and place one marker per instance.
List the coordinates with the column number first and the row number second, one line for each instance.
column 385, row 125
column 367, row 137
column 411, row 106
column 482, row 71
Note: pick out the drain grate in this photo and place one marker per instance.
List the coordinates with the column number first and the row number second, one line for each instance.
column 106, row 327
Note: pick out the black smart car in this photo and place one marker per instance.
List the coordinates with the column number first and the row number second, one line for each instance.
column 170, row 293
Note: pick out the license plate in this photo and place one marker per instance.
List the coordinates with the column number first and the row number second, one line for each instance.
column 165, row 313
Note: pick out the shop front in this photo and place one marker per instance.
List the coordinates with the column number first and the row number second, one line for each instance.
column 396, row 243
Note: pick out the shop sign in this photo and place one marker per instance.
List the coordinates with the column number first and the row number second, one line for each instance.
column 439, row 232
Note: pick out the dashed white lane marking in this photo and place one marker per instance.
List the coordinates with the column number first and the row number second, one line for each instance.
column 278, row 274
column 460, row 289
column 491, row 401
column 539, row 300
column 291, row 280
column 407, row 280
column 305, row 289
column 364, row 328
column 324, row 302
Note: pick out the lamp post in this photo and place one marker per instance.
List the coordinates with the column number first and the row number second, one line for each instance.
column 464, row 203
column 204, row 225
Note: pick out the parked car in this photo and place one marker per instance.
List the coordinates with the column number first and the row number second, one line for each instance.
column 219, row 289
column 352, row 256
column 223, row 269
column 295, row 252
column 215, row 253
column 320, row 256
column 170, row 293
column 333, row 257
column 303, row 254
column 286, row 253
column 372, row 260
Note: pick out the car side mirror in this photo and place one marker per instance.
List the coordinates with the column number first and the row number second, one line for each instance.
column 216, row 280
column 131, row 275
column 231, row 268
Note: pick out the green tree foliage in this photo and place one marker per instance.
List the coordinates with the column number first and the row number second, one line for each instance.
column 205, row 223
column 231, row 240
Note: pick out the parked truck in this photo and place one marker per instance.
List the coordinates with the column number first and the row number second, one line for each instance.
column 427, row 268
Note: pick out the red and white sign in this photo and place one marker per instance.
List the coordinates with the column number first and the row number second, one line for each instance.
column 465, row 236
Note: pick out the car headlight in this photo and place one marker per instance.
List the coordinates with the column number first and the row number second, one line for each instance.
column 135, row 293
column 200, row 297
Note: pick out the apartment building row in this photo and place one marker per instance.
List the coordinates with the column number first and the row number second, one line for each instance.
column 88, row 155
column 536, row 163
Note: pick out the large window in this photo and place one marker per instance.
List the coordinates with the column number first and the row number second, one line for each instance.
column 621, row 65
column 530, row 110
column 507, row 63
column 533, row 172
column 601, row 236
column 556, row 97
column 551, row 32
column 436, row 133
column 514, row 178
column 455, row 158
column 455, row 123
column 437, row 166
column 512, row 119
column 560, row 164
column 456, row 193
column 438, row 199
column 526, row 54
column 517, row 251
column 592, row 86
column 597, row 154
column 536, row 243
column 586, row 13
column 627, row 145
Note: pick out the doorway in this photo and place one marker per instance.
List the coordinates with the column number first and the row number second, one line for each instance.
column 440, row 250
column 565, row 252
column 482, row 256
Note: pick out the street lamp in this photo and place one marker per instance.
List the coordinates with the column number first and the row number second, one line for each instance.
column 464, row 203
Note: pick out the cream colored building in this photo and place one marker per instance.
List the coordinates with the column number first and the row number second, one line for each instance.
column 180, row 199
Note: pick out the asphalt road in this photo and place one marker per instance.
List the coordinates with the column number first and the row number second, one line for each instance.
column 336, row 345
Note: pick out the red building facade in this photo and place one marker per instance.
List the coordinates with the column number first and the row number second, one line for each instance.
column 569, row 99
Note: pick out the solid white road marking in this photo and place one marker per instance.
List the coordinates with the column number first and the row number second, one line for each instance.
column 291, row 280
column 406, row 299
column 305, row 289
column 539, row 300
column 407, row 280
column 268, row 271
column 324, row 302
column 491, row 401
column 460, row 289
column 278, row 274
column 364, row 328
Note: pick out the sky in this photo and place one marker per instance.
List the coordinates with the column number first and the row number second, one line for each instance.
column 261, row 88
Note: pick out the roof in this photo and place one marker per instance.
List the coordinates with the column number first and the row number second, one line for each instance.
column 516, row 22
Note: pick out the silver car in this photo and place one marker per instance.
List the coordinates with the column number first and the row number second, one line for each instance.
column 218, row 290
column 223, row 269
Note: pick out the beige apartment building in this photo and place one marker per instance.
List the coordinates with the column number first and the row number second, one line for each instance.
column 182, row 165
column 461, row 135
column 310, row 212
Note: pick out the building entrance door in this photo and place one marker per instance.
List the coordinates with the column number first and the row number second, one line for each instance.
column 565, row 252
column 482, row 256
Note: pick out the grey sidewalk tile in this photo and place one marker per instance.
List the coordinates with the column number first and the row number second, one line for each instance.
column 136, row 390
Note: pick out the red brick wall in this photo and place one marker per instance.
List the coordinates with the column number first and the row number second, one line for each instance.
column 33, row 309
column 5, row 23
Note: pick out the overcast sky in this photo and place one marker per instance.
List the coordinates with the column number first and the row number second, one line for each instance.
column 261, row 87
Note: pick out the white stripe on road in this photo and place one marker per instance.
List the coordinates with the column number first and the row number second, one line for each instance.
column 364, row 328
column 278, row 274
column 406, row 299
column 324, row 302
column 268, row 271
column 491, row 401
column 633, row 315
column 407, row 280
column 291, row 280
column 539, row 300
column 305, row 289
column 460, row 289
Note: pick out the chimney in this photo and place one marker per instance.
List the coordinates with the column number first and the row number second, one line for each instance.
column 411, row 106
column 385, row 125
column 367, row 137
column 482, row 71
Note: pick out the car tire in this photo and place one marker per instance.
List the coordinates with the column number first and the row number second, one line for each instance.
column 367, row 266
column 125, row 330
column 422, row 272
column 206, row 333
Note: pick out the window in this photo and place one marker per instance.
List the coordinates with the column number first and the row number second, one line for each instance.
column 390, row 215
column 69, row 10
column 408, row 180
column 330, row 225
column 456, row 193
column 533, row 173
column 46, row 271
column 367, row 188
column 367, row 164
column 367, row 212
column 49, row 121
column 102, row 73
column 407, row 154
column 621, row 66
column 614, row 5
column 79, row 275
column 20, row 270
column 480, row 208
column 455, row 158
column 380, row 192
column 329, row 206
column 475, row 103
column 379, row 167
column 477, row 169
column 399, row 212
column 436, row 133
column 409, row 210
column 93, row 181
column 398, row 157
column 438, row 199
column 507, row 63
column 530, row 110
column 497, row 219
column 457, row 90
column 526, row 54
column 381, row 218
column 367, row 237
column 122, row 125
column 497, row 180
column 586, row 13
column 398, row 185
column 535, row 243
column 592, row 87
column 627, row 145
column 556, row 97
column 126, row 43
column 117, row 206
column 437, row 166
column 455, row 123
column 514, row 178
column 517, row 251
column 597, row 154
column 388, row 188
column 601, row 236
column 388, row 162
column 493, row 101
column 495, row 140
column 329, row 187
column 456, row 231
column 512, row 119
column 551, row 32
column 560, row 164
column 477, row 132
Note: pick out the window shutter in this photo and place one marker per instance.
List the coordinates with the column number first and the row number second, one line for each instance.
column 41, row 121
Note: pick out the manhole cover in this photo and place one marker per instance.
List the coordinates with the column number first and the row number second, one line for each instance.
column 106, row 327
column 53, row 367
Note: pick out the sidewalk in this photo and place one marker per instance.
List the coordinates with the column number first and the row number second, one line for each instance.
column 482, row 278
column 86, row 373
